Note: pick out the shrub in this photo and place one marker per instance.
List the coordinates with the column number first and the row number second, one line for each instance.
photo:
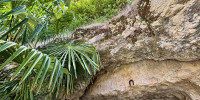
column 86, row 11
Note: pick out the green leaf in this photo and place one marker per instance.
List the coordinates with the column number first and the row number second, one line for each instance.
column 56, row 78
column 18, row 33
column 44, row 74
column 25, row 36
column 68, row 82
column 31, row 95
column 87, row 57
column 19, row 12
column 59, row 83
column 40, row 71
column 63, row 63
column 53, row 72
column 69, row 60
column 7, row 45
column 36, row 31
column 81, row 62
column 73, row 62
column 20, row 50
column 10, row 1
column 65, row 71
column 18, row 25
column 27, row 59
column 13, row 10
column 37, row 58
column 1, row 41
column 86, row 66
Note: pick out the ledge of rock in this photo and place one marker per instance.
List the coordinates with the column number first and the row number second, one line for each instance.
column 149, row 80
column 153, row 44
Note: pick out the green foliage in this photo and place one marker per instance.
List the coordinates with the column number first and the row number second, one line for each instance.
column 15, row 21
column 40, row 73
column 46, row 72
column 32, row 70
column 58, row 17
column 79, row 58
column 87, row 11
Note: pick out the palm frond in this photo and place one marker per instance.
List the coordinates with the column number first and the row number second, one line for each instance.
column 77, row 58
column 41, row 72
column 32, row 65
column 13, row 11
column 17, row 26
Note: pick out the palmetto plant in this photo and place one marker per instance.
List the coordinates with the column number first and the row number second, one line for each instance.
column 33, row 68
column 39, row 73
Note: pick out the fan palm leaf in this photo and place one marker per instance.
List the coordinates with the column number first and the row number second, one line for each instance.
column 77, row 58
column 32, row 64
column 42, row 71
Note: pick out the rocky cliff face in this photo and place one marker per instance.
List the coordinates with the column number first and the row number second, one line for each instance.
column 150, row 50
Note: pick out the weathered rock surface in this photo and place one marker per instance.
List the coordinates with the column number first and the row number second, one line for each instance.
column 156, row 44
column 168, row 80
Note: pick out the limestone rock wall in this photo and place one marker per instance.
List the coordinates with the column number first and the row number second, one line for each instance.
column 165, row 80
column 154, row 44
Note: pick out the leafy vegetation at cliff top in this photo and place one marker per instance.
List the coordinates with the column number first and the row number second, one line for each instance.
column 59, row 16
